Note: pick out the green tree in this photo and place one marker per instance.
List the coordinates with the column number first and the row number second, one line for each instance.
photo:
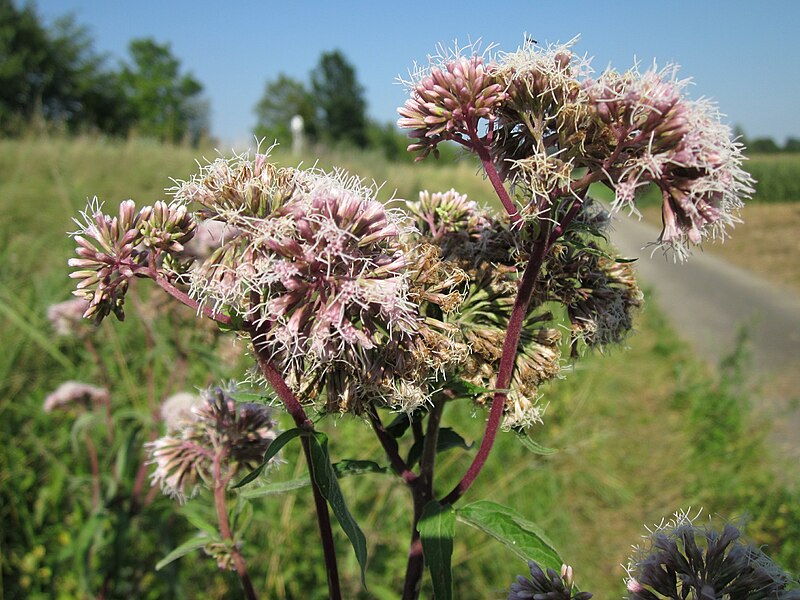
column 166, row 104
column 792, row 145
column 340, row 100
column 54, row 74
column 284, row 98
column 763, row 145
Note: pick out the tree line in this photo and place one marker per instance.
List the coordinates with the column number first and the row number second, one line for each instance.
column 53, row 74
column 766, row 145
column 332, row 106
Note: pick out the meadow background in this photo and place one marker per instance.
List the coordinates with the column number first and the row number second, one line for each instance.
column 638, row 433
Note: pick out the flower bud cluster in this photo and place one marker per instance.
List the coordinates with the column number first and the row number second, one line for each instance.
column 216, row 430
column 111, row 250
column 449, row 99
column 107, row 254
column 680, row 559
column 166, row 227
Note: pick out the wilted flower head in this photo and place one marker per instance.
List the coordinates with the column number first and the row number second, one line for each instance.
column 75, row 393
column 680, row 559
column 448, row 98
column 232, row 437
column 67, row 317
column 546, row 585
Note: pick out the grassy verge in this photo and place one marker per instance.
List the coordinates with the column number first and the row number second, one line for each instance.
column 639, row 432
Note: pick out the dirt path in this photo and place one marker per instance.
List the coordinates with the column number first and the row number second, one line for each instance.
column 708, row 300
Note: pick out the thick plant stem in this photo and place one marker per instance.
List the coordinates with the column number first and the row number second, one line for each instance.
column 506, row 369
column 220, row 484
column 422, row 493
column 477, row 145
column 325, row 531
column 295, row 409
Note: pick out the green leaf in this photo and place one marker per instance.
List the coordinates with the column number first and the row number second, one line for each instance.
column 185, row 548
column 275, row 447
column 254, row 397
column 201, row 517
column 448, row 438
column 436, row 528
column 465, row 388
column 123, row 462
column 346, row 467
column 25, row 323
column 343, row 468
column 402, row 422
column 236, row 324
column 325, row 477
column 533, row 446
column 507, row 526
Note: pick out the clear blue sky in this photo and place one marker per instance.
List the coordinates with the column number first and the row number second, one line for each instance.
column 744, row 54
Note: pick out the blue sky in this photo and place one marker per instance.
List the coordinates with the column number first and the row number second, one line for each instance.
column 744, row 54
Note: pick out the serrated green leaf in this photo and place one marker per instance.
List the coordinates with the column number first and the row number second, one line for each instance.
column 513, row 530
column 437, row 527
column 325, row 477
column 185, row 548
column 532, row 445
column 274, row 447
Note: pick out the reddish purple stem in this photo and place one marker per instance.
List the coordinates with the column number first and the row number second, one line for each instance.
column 504, row 372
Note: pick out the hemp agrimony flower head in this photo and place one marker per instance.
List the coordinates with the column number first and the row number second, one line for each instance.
column 658, row 135
column 448, row 98
column 233, row 438
column 318, row 264
column 546, row 585
column 681, row 559
column 547, row 122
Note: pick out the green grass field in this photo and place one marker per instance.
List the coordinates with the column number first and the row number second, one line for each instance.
column 640, row 432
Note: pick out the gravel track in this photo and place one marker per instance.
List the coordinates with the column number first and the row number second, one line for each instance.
column 708, row 301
